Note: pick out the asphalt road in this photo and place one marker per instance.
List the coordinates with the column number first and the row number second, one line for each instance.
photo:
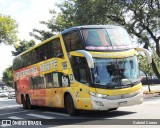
column 50, row 117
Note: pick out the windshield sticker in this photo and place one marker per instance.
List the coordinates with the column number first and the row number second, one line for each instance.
column 99, row 48
column 71, row 78
column 65, row 82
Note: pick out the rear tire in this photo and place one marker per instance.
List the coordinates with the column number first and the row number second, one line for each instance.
column 24, row 102
column 69, row 105
column 28, row 102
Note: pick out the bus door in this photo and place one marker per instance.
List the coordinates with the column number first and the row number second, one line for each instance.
column 82, row 78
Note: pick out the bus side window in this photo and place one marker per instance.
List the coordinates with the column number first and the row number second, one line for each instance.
column 75, row 41
column 49, row 80
column 56, row 48
column 72, row 41
column 56, row 79
column 66, row 39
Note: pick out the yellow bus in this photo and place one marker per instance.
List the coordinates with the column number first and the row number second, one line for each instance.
column 92, row 67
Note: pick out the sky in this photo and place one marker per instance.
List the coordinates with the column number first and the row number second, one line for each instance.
column 27, row 14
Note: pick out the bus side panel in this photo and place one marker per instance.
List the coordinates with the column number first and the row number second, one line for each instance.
column 22, row 87
column 37, row 97
column 82, row 96
column 55, row 97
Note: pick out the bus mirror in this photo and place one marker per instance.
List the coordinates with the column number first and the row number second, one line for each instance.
column 88, row 58
column 147, row 53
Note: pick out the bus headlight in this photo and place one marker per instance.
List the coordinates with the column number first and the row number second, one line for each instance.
column 99, row 103
column 97, row 95
column 101, row 95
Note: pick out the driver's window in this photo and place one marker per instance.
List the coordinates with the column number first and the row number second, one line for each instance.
column 72, row 41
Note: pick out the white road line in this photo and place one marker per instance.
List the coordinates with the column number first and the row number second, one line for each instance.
column 10, row 106
column 15, row 118
column 40, row 116
column 14, row 112
column 152, row 102
column 6, row 99
column 60, row 114
column 5, row 125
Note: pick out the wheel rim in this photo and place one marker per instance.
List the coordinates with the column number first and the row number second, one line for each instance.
column 70, row 106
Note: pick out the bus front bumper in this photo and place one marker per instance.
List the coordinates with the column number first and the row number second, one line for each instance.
column 105, row 103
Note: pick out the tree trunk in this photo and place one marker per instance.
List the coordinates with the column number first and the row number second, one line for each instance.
column 149, row 88
column 157, row 47
column 155, row 69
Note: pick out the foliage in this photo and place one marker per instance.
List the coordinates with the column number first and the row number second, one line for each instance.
column 8, row 30
column 139, row 17
column 8, row 76
column 23, row 46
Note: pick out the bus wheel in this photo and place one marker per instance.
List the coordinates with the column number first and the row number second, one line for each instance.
column 24, row 102
column 29, row 106
column 112, row 109
column 69, row 105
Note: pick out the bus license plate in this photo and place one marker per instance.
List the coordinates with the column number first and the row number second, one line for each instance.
column 123, row 103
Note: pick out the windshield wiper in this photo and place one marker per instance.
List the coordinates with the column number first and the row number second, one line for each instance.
column 120, row 72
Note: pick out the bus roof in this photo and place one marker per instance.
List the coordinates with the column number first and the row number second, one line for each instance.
column 90, row 26
column 41, row 43
column 68, row 30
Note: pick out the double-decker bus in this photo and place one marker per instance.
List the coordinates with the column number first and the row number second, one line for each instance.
column 92, row 67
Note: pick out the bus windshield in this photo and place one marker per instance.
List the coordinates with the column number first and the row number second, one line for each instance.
column 115, row 73
column 106, row 39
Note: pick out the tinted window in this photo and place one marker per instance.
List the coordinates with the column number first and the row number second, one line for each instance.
column 80, row 69
column 49, row 50
column 50, row 80
column 72, row 41
column 46, row 51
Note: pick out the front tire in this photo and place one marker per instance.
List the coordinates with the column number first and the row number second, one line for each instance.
column 112, row 109
column 69, row 105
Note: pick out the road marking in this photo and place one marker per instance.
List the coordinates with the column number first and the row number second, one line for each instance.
column 60, row 114
column 15, row 112
column 5, row 125
column 11, row 106
column 6, row 99
column 15, row 118
column 40, row 116
column 152, row 102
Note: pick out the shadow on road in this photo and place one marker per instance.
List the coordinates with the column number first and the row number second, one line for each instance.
column 83, row 117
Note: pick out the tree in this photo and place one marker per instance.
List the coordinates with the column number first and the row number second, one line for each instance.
column 8, row 30
column 23, row 46
column 143, row 22
column 139, row 17
column 8, row 76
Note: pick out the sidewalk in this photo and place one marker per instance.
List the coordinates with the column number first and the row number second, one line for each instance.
column 155, row 91
column 152, row 87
